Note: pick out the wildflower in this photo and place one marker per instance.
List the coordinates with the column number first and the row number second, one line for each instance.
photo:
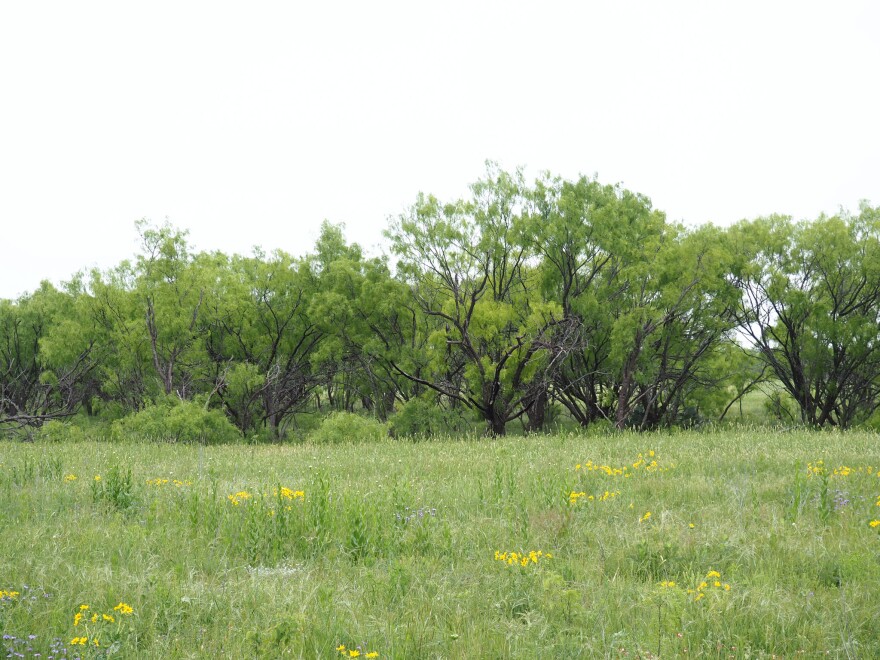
column 713, row 574
column 239, row 497
column 353, row 653
column 97, row 477
column 522, row 559
column 108, row 617
column 645, row 517
column 691, row 525
column 726, row 587
column 341, row 648
column 122, row 608
column 667, row 584
column 372, row 654
column 288, row 494
column 77, row 618
column 70, row 477
column 83, row 607
column 95, row 618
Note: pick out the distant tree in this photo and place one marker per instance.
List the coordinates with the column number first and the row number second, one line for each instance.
column 170, row 289
column 261, row 338
column 468, row 269
column 810, row 307
column 45, row 362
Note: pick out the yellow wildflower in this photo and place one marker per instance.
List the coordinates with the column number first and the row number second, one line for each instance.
column 108, row 617
column 372, row 654
column 97, row 477
column 70, row 477
column 122, row 608
column 341, row 648
column 874, row 523
column 645, row 517
column 83, row 607
column 713, row 574
column 353, row 653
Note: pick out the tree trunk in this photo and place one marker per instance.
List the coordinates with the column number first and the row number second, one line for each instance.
column 537, row 413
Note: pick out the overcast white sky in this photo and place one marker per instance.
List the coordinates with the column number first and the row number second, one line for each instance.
column 250, row 123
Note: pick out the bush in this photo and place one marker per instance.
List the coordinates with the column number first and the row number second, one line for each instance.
column 58, row 431
column 419, row 417
column 348, row 427
column 173, row 420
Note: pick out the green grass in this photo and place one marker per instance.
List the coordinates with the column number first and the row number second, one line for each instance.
column 344, row 566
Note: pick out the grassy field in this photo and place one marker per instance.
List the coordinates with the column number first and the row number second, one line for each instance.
column 724, row 544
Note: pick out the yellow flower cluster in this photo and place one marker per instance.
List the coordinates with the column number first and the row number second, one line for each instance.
column 8, row 594
column 818, row 469
column 355, row 653
column 288, row 494
column 607, row 495
column 645, row 462
column 122, row 608
column 163, row 482
column 646, row 517
column 82, row 617
column 70, row 477
column 239, row 497
column 668, row 584
column 521, row 558
column 283, row 493
column 712, row 581
column 874, row 523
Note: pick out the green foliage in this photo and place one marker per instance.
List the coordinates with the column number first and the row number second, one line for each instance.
column 513, row 302
column 114, row 488
column 809, row 307
column 339, row 427
column 424, row 418
column 173, row 420
column 58, row 431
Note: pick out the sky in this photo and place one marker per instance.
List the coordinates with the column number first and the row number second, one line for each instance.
column 248, row 124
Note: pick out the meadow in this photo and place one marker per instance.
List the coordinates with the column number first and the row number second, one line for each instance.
column 745, row 543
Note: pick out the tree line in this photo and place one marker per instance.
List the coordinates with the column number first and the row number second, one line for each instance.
column 519, row 301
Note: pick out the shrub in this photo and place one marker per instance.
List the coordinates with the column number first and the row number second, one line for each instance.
column 419, row 417
column 348, row 427
column 173, row 420
column 58, row 431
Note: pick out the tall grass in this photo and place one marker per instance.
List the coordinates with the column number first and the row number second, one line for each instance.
column 391, row 548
